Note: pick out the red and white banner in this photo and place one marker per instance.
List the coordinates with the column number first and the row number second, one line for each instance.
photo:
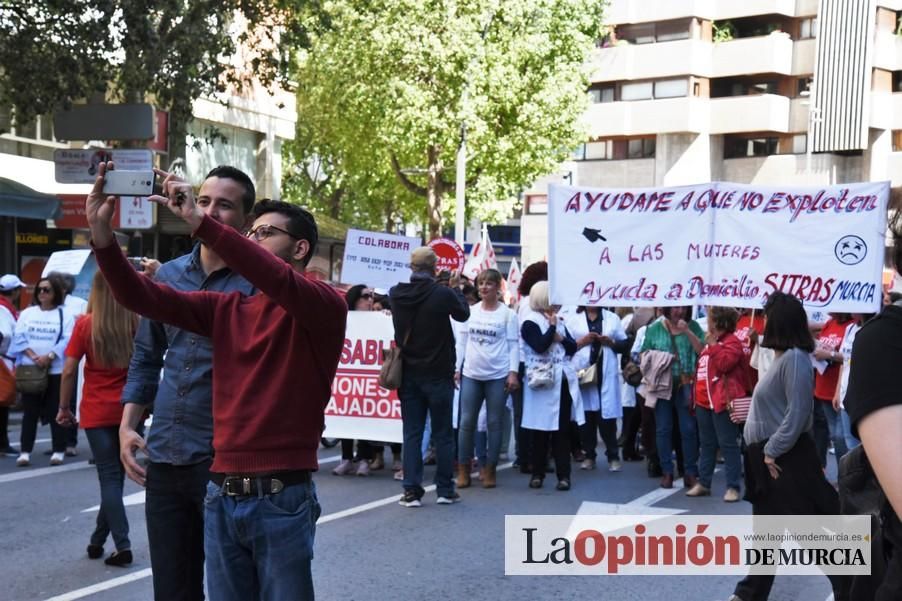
column 482, row 257
column 514, row 277
column 359, row 407
column 718, row 244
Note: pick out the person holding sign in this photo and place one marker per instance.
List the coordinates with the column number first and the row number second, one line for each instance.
column 683, row 339
column 488, row 358
column 275, row 355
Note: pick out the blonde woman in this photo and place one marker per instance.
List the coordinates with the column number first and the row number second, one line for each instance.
column 104, row 337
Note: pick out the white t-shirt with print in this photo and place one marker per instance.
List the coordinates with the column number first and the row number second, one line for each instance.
column 40, row 331
column 488, row 345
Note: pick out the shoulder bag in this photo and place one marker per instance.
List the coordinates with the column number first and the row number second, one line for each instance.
column 32, row 379
column 390, row 374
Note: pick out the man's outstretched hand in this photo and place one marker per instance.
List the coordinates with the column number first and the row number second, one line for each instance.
column 178, row 197
column 99, row 210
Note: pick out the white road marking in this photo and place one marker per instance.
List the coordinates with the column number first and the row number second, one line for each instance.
column 102, row 586
column 43, row 471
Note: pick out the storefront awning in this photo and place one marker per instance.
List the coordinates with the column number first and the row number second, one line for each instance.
column 17, row 200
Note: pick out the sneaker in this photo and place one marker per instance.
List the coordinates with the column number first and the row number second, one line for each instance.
column 587, row 464
column 410, row 499
column 377, row 462
column 344, row 468
column 119, row 558
column 731, row 496
column 698, row 490
column 563, row 484
column 71, row 452
column 24, row 460
column 399, row 475
column 448, row 499
column 615, row 466
column 95, row 551
column 363, row 468
column 57, row 458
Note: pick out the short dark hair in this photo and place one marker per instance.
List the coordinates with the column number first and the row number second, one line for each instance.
column 301, row 223
column 353, row 295
column 537, row 272
column 66, row 281
column 232, row 173
column 57, row 288
column 787, row 324
column 723, row 319
column 667, row 310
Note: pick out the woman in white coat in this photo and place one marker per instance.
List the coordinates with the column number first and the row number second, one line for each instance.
column 551, row 397
column 600, row 336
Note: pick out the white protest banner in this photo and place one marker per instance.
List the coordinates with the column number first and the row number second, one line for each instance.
column 718, row 244
column 482, row 257
column 376, row 259
column 359, row 407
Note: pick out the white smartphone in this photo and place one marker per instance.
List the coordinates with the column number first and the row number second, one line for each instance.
column 129, row 183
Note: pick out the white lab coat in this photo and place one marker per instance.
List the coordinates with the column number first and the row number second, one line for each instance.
column 608, row 400
column 541, row 408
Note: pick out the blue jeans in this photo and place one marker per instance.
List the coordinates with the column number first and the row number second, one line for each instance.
column 828, row 427
column 846, row 421
column 111, row 518
column 423, row 395
column 664, row 432
column 716, row 430
column 260, row 547
column 175, row 529
column 472, row 393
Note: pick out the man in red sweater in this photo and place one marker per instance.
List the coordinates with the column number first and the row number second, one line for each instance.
column 274, row 358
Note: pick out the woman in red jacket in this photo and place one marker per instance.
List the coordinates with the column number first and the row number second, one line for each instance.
column 104, row 336
column 721, row 377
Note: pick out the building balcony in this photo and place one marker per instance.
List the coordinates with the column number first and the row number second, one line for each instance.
column 740, row 114
column 651, row 61
column 647, row 117
column 888, row 51
column 803, row 52
column 646, row 11
column 735, row 9
column 886, row 111
column 745, row 56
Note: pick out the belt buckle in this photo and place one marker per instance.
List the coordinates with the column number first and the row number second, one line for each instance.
column 246, row 486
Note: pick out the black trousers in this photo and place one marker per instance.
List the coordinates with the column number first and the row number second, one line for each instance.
column 175, row 529
column 594, row 425
column 364, row 449
column 4, row 427
column 559, row 439
column 522, row 436
column 42, row 408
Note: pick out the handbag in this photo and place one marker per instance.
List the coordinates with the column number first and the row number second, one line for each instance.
column 588, row 376
column 32, row 379
column 390, row 375
column 540, row 375
column 7, row 385
column 739, row 409
column 632, row 374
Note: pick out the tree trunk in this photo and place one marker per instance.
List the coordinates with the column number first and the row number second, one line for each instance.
column 434, row 192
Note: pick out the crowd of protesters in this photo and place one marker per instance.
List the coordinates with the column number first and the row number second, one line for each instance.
column 765, row 392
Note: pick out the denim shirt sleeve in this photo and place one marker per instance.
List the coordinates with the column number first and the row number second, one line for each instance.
column 146, row 363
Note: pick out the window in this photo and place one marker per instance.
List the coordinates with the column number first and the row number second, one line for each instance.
column 803, row 84
column 616, row 150
column 800, row 144
column 671, row 88
column 648, row 33
column 642, row 148
column 636, row 91
column 669, row 31
column 536, row 204
column 602, row 94
column 897, row 81
column 897, row 140
column 735, row 147
column 637, row 34
column 808, row 28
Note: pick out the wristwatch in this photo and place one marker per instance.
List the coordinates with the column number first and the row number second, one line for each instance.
column 52, row 356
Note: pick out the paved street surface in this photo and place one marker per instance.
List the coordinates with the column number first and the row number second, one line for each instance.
column 367, row 546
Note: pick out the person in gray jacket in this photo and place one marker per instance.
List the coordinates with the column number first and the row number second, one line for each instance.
column 783, row 473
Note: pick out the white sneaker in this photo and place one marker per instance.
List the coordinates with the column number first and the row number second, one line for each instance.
column 615, row 466
column 57, row 458
column 24, row 460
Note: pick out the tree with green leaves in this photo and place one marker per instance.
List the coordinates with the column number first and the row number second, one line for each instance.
column 54, row 53
column 388, row 86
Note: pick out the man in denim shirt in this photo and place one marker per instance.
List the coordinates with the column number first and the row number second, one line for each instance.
column 179, row 443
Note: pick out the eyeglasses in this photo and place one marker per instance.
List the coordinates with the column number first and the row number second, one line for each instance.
column 265, row 230
column 43, row 289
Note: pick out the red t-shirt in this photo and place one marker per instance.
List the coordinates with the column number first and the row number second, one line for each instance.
column 102, row 391
column 743, row 328
column 701, row 379
column 829, row 339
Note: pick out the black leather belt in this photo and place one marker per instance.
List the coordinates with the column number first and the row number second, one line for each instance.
column 236, row 485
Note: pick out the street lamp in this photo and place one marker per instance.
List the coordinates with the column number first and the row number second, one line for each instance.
column 814, row 116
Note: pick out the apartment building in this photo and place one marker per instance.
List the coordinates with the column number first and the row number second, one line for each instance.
column 790, row 92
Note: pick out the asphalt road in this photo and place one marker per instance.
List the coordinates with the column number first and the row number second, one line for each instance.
column 367, row 546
